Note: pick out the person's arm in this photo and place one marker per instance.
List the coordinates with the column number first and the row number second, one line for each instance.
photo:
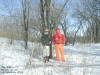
column 42, row 40
column 53, row 38
column 49, row 40
column 64, row 39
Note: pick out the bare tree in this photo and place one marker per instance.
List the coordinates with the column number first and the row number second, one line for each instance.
column 9, row 18
column 77, row 32
column 25, row 8
column 88, row 13
column 64, row 27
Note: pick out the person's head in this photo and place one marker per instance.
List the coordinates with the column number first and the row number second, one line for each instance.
column 46, row 31
column 57, row 30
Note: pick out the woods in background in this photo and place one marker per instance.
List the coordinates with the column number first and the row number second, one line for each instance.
column 26, row 20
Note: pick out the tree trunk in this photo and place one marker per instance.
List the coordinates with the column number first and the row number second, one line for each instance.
column 25, row 7
column 48, row 24
column 42, row 15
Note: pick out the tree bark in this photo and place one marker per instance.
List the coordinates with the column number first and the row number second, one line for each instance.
column 25, row 8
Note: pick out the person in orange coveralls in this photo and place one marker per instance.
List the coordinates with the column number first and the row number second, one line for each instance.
column 59, row 41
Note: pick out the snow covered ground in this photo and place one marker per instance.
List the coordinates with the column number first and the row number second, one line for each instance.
column 81, row 59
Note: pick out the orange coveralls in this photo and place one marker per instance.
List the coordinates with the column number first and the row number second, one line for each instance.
column 59, row 41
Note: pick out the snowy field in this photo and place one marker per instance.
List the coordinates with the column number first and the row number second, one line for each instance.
column 81, row 59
